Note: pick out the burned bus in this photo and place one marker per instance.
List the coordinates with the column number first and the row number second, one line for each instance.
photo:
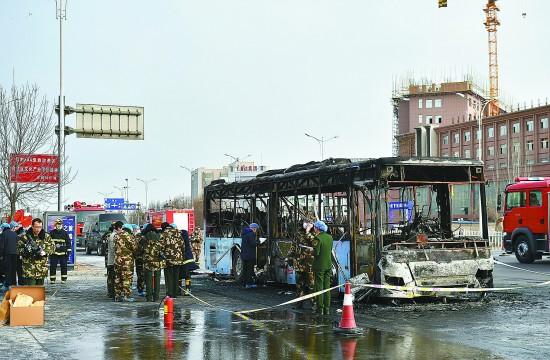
column 390, row 219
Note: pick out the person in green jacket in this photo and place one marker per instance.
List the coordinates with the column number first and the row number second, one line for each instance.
column 322, row 265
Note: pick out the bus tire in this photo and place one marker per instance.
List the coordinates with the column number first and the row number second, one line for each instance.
column 237, row 266
column 523, row 250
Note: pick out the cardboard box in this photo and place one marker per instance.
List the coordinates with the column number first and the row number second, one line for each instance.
column 31, row 315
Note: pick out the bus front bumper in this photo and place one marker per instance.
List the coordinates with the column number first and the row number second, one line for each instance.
column 434, row 268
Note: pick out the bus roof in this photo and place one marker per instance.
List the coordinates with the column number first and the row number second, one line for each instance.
column 338, row 174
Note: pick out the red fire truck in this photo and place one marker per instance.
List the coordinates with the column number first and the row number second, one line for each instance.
column 82, row 211
column 526, row 227
column 183, row 218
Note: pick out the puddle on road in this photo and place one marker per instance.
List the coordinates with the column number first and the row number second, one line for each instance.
column 268, row 335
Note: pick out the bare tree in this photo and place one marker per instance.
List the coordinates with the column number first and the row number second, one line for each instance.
column 26, row 127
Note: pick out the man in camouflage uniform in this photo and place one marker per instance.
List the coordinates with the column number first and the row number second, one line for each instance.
column 35, row 246
column 125, row 248
column 173, row 250
column 139, row 264
column 302, row 258
column 153, row 261
column 196, row 243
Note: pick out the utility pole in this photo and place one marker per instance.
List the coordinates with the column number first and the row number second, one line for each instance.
column 146, row 183
column 190, row 182
column 61, row 14
column 126, row 188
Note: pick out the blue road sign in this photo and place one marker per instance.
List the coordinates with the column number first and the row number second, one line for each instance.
column 114, row 204
column 129, row 206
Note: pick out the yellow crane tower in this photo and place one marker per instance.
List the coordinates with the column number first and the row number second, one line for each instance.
column 491, row 23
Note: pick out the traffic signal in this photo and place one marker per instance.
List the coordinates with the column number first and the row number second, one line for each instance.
column 442, row 3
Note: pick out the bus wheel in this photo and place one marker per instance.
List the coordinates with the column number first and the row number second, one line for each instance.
column 237, row 266
column 523, row 250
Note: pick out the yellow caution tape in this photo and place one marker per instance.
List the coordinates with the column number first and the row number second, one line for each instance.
column 387, row 287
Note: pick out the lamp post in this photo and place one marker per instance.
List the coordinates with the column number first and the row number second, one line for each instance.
column 146, row 183
column 61, row 14
column 126, row 188
column 190, row 180
column 105, row 195
column 321, row 142
column 480, row 128
column 121, row 189
column 237, row 159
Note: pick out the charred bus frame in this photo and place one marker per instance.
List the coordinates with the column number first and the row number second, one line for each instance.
column 352, row 197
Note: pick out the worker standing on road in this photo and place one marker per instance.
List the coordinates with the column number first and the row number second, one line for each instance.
column 173, row 250
column 139, row 264
column 3, row 259
column 153, row 261
column 110, row 260
column 196, row 243
column 124, row 244
column 248, row 254
column 322, row 265
column 189, row 264
column 35, row 245
column 11, row 256
column 302, row 262
column 63, row 248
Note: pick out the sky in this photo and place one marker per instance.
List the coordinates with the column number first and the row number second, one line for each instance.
column 252, row 76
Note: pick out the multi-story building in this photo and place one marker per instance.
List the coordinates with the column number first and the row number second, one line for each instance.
column 514, row 143
column 236, row 171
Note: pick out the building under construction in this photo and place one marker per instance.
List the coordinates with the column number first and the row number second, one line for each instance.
column 442, row 120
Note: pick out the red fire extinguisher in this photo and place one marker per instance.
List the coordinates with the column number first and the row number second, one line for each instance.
column 168, row 312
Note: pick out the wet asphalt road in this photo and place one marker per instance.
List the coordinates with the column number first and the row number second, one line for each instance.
column 82, row 323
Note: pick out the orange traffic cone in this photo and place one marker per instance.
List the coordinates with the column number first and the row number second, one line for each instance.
column 347, row 322
column 348, row 348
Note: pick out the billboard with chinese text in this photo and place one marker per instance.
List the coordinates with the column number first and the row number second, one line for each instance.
column 34, row 168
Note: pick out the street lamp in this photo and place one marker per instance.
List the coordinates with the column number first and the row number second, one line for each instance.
column 127, row 187
column 105, row 195
column 237, row 159
column 121, row 189
column 321, row 142
column 480, row 128
column 146, row 183
column 191, row 179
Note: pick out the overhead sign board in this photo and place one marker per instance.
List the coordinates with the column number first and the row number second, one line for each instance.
column 109, row 121
column 119, row 204
column 114, row 203
column 34, row 168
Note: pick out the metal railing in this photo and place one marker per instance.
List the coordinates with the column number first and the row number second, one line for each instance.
column 495, row 237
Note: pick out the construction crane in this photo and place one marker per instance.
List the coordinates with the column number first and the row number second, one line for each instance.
column 491, row 23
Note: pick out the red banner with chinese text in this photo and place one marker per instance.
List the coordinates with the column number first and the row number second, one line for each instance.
column 34, row 168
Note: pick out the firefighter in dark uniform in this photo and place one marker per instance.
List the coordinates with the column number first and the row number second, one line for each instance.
column 188, row 266
column 62, row 250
